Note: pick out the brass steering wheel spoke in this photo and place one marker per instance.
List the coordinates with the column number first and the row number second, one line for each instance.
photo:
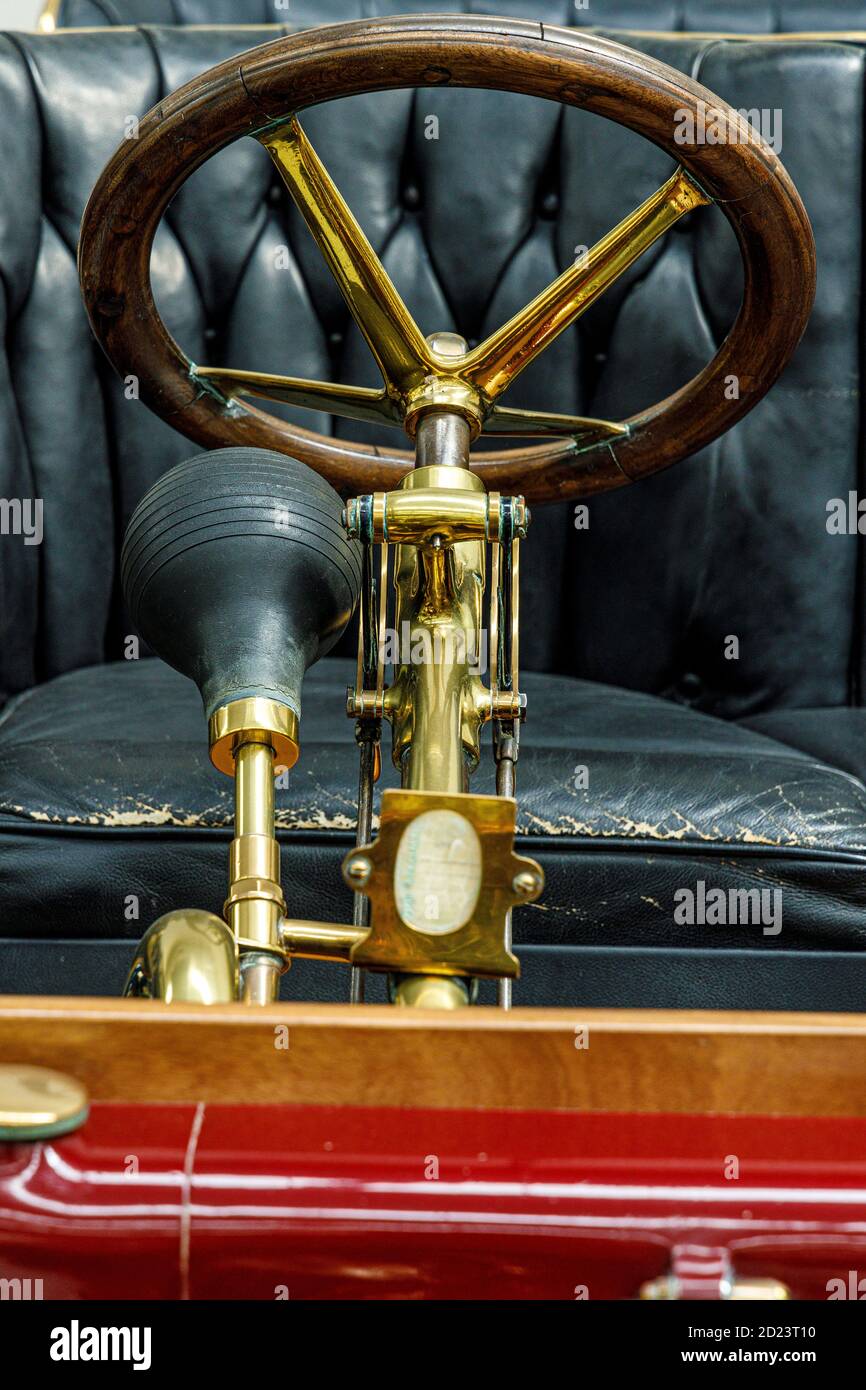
column 350, row 402
column 492, row 365
column 393, row 336
column 415, row 374
column 527, row 424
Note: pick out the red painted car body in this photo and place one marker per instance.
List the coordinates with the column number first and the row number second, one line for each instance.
column 270, row 1202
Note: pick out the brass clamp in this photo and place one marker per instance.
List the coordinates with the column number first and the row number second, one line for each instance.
column 254, row 890
column 421, row 515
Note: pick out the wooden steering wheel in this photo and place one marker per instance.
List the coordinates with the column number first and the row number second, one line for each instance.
column 260, row 94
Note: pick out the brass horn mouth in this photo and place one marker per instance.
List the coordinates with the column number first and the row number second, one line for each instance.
column 187, row 956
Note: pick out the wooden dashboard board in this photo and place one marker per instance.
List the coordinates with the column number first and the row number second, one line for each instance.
column 608, row 1060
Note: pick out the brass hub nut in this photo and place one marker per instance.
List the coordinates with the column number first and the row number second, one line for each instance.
column 444, row 393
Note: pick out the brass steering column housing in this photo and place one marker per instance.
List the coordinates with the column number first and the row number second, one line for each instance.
column 438, row 703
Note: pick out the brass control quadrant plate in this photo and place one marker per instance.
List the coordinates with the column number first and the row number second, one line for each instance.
column 441, row 877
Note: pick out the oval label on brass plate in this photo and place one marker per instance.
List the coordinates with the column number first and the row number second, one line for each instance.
column 437, row 874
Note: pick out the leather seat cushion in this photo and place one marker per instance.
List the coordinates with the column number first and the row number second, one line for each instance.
column 111, row 814
column 836, row 736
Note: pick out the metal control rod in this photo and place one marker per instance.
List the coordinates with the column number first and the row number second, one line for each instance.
column 506, row 783
column 361, row 905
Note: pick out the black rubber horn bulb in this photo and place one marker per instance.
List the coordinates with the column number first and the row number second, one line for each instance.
column 237, row 571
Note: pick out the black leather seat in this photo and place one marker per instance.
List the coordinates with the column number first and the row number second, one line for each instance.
column 133, row 807
column 700, row 766
column 695, row 16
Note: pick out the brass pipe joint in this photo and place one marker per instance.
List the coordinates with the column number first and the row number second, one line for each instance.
column 246, row 886
column 319, row 940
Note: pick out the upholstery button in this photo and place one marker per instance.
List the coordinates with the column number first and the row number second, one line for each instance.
column 690, row 687
column 550, row 204
column 412, row 197
column 335, row 339
column 275, row 194
column 210, row 335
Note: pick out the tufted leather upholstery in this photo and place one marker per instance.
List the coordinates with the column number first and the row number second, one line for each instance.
column 104, row 791
column 708, row 16
column 456, row 244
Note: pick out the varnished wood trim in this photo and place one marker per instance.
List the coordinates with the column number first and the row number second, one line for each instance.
column 636, row 1060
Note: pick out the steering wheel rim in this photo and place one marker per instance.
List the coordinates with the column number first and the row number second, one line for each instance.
column 249, row 94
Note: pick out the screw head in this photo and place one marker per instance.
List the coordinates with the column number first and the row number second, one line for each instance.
column 527, row 883
column 447, row 344
column 358, row 870
column 351, row 518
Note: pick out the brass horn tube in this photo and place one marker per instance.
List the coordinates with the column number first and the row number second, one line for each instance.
column 255, row 902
